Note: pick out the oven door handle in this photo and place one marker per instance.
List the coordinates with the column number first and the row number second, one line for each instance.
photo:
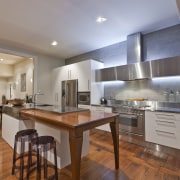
column 128, row 116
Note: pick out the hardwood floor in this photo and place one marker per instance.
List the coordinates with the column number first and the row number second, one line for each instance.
column 136, row 163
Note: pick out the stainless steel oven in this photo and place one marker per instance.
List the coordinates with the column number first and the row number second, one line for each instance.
column 84, row 98
column 131, row 121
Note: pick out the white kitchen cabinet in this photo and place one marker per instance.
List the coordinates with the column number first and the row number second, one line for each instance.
column 57, row 77
column 84, row 71
column 163, row 128
column 104, row 127
column 97, row 88
column 69, row 72
column 84, row 106
column 11, row 125
column 84, row 76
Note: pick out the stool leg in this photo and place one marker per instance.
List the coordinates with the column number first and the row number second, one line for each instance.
column 45, row 163
column 22, row 159
column 14, row 155
column 55, row 162
column 29, row 163
column 38, row 165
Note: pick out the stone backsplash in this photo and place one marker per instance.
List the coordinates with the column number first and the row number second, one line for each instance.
column 161, row 89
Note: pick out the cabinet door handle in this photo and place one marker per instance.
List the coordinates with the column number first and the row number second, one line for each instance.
column 70, row 74
column 165, row 116
column 168, row 122
column 165, row 132
column 88, row 84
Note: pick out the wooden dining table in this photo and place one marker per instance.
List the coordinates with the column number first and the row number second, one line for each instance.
column 76, row 123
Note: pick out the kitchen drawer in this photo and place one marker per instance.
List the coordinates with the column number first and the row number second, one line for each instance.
column 98, row 108
column 84, row 106
column 165, row 116
column 167, row 138
column 163, row 128
column 101, row 109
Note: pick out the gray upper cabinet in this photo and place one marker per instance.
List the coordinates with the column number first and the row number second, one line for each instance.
column 141, row 70
column 165, row 67
column 124, row 72
column 106, row 74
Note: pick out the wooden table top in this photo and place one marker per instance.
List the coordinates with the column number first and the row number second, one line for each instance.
column 82, row 119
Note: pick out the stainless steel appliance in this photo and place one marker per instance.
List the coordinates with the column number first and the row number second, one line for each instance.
column 84, row 98
column 69, row 93
column 131, row 120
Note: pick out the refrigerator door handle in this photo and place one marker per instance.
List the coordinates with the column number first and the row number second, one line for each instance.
column 67, row 94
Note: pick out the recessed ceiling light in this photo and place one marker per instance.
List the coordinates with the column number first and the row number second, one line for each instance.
column 54, row 43
column 1, row 59
column 101, row 19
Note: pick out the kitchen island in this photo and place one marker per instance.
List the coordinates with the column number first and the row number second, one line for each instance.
column 12, row 122
column 75, row 123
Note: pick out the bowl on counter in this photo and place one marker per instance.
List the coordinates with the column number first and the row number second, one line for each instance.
column 16, row 102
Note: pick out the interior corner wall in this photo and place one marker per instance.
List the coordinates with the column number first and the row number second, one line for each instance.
column 45, row 65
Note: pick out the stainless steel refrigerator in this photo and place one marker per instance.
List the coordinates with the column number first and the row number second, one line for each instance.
column 69, row 93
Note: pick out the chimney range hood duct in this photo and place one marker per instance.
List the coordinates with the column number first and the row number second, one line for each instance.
column 136, row 69
column 134, row 50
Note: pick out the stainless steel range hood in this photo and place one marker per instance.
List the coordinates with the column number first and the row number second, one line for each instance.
column 136, row 69
column 133, row 71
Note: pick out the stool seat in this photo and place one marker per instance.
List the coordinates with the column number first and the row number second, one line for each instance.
column 22, row 137
column 42, row 145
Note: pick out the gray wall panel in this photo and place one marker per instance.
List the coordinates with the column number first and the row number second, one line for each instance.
column 156, row 45
column 161, row 44
column 111, row 55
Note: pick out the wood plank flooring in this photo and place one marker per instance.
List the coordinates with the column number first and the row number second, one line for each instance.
column 136, row 163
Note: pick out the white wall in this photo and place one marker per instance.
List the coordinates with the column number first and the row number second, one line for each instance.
column 3, row 88
column 45, row 66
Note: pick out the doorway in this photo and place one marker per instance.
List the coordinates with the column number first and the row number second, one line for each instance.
column 16, row 76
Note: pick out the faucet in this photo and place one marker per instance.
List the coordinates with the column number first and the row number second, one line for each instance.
column 35, row 95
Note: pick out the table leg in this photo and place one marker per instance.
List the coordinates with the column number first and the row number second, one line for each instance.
column 75, row 141
column 115, row 136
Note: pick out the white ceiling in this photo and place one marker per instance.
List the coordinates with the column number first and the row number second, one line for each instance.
column 10, row 59
column 34, row 24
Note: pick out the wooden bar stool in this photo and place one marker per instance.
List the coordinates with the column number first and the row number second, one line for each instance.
column 42, row 145
column 24, row 138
